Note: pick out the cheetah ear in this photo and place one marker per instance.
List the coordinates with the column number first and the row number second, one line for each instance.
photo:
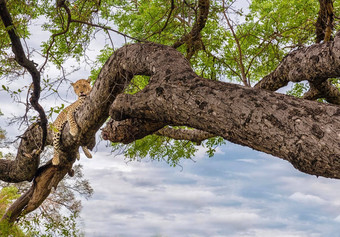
column 72, row 83
column 88, row 80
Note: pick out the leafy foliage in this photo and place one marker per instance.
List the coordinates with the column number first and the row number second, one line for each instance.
column 66, row 226
column 298, row 89
column 58, row 215
column 158, row 148
column 240, row 43
column 7, row 195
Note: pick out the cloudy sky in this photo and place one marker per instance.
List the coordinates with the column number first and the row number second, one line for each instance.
column 238, row 192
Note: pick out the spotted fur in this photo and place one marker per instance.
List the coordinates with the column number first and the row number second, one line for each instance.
column 82, row 88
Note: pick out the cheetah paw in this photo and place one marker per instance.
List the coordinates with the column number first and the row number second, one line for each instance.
column 74, row 131
column 55, row 160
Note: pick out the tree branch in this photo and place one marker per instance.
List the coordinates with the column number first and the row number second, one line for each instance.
column 23, row 61
column 129, row 130
column 26, row 163
column 315, row 64
column 48, row 176
column 201, row 19
column 239, row 60
column 324, row 23
column 193, row 135
column 323, row 90
column 305, row 133
column 62, row 4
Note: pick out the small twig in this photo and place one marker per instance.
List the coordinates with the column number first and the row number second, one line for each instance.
column 108, row 29
column 240, row 55
column 166, row 22
column 60, row 4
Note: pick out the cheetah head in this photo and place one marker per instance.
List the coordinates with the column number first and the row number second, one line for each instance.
column 82, row 87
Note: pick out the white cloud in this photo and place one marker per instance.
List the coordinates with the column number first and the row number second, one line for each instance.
column 307, row 198
column 278, row 233
column 251, row 161
column 337, row 219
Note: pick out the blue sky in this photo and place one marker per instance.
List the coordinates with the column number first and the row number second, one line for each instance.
column 238, row 192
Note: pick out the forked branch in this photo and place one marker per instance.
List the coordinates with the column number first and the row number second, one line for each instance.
column 20, row 57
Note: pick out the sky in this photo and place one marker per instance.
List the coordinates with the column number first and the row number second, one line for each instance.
column 238, row 192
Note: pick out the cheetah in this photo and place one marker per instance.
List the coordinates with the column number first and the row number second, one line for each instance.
column 82, row 88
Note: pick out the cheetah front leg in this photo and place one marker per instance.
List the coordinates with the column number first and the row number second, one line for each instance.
column 74, row 132
column 56, row 159
column 73, row 125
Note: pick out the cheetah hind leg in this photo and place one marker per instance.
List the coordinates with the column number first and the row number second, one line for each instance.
column 86, row 152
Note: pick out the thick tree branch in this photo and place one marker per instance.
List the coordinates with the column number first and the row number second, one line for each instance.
column 26, row 163
column 315, row 64
column 193, row 135
column 323, row 90
column 94, row 112
column 48, row 176
column 305, row 133
column 129, row 130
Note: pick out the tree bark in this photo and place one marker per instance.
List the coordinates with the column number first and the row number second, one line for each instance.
column 26, row 163
column 315, row 64
column 324, row 23
column 201, row 19
column 305, row 133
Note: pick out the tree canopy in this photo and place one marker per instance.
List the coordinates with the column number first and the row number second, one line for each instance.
column 192, row 73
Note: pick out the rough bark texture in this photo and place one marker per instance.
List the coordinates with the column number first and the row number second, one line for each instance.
column 193, row 135
column 305, row 133
column 129, row 130
column 46, row 178
column 315, row 64
column 323, row 90
column 133, row 129
column 194, row 35
column 324, row 23
column 24, row 167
